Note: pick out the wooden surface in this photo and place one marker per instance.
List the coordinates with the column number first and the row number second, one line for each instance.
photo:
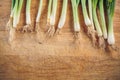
column 58, row 58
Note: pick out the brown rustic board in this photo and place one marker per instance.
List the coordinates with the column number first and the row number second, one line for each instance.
column 58, row 58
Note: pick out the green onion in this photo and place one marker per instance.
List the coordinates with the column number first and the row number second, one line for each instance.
column 63, row 16
column 13, row 8
column 39, row 13
column 96, row 22
column 75, row 16
column 15, row 14
column 88, row 21
column 49, row 12
column 90, row 12
column 19, row 10
column 102, row 19
column 91, row 30
column 14, row 22
column 10, row 22
column 28, row 26
column 51, row 30
column 85, row 14
column 110, row 5
column 18, row 7
column 97, row 25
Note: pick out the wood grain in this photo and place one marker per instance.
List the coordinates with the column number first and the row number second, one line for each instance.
column 58, row 58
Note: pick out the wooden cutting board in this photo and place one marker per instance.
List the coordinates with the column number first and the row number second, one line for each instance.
column 58, row 58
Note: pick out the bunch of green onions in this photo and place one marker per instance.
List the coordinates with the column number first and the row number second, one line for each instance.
column 63, row 16
column 75, row 4
column 104, row 32
column 28, row 27
column 52, row 10
column 98, row 24
column 14, row 17
column 39, row 14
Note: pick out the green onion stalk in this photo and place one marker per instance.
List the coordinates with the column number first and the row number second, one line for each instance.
column 90, row 12
column 28, row 27
column 88, row 20
column 97, row 24
column 85, row 14
column 63, row 16
column 51, row 29
column 16, row 18
column 18, row 8
column 91, row 29
column 12, row 16
column 49, row 12
column 39, row 14
column 9, row 24
column 75, row 4
column 110, row 5
column 102, row 18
